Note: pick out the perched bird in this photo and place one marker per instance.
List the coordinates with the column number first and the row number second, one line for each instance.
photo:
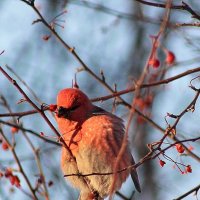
column 94, row 137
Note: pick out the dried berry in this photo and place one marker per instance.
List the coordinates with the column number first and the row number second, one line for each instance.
column 188, row 169
column 14, row 129
column 162, row 163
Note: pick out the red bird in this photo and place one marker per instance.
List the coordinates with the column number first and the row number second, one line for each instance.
column 94, row 137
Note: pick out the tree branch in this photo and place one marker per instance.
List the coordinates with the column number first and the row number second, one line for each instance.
column 195, row 189
column 19, row 165
column 184, row 6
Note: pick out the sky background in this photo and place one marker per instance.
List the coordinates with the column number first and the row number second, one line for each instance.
column 104, row 42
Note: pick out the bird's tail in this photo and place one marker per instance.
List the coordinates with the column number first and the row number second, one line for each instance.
column 135, row 179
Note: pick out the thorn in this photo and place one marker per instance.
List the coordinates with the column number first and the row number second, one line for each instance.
column 36, row 21
column 2, row 52
column 172, row 115
column 72, row 49
column 102, row 75
column 21, row 101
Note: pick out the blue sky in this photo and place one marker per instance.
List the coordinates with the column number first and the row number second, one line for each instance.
column 103, row 42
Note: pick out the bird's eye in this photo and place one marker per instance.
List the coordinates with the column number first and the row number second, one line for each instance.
column 73, row 108
column 62, row 111
column 65, row 112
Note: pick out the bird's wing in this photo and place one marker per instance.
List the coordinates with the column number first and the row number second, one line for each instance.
column 135, row 178
column 134, row 175
column 102, row 137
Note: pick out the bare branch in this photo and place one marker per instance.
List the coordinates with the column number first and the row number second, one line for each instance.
column 19, row 165
column 184, row 7
column 158, row 83
column 195, row 189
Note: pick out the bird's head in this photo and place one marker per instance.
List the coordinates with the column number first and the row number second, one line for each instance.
column 73, row 105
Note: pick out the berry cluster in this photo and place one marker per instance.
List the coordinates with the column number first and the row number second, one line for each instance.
column 169, row 59
column 14, row 180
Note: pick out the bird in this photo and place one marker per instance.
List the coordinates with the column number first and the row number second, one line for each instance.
column 94, row 137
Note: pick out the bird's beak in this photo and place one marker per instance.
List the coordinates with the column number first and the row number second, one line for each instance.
column 63, row 112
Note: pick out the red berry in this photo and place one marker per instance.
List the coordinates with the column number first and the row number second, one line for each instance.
column 140, row 120
column 139, row 102
column 17, row 181
column 41, row 133
column 52, row 107
column 162, row 163
column 8, row 172
column 46, row 37
column 188, row 169
column 1, row 174
column 191, row 148
column 170, row 57
column 17, row 184
column 154, row 62
column 12, row 180
column 14, row 129
column 148, row 100
column 5, row 146
column 180, row 148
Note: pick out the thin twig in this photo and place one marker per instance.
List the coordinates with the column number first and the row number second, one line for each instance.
column 157, row 83
column 195, row 189
column 137, row 94
column 20, row 114
column 38, row 110
column 149, row 156
column 19, row 165
column 191, row 106
column 31, row 131
column 184, row 6
column 38, row 161
column 115, row 94
column 25, row 84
